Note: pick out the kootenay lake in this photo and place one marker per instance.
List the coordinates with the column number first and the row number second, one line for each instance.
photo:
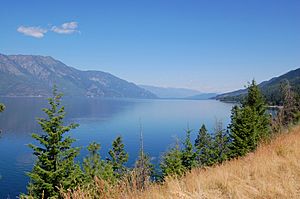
column 101, row 120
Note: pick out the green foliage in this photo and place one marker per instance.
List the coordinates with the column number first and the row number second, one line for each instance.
column 220, row 144
column 249, row 123
column 290, row 110
column 172, row 164
column 204, row 148
column 143, row 169
column 54, row 167
column 94, row 166
column 188, row 154
column 118, row 157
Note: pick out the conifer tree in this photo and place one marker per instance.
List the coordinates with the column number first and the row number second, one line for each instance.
column 290, row 110
column 94, row 166
column 256, row 102
column 54, row 167
column 249, row 123
column 188, row 153
column 204, row 147
column 171, row 164
column 143, row 168
column 118, row 157
column 220, row 143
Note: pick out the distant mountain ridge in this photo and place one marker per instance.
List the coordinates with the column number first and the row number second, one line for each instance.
column 270, row 88
column 35, row 75
column 177, row 93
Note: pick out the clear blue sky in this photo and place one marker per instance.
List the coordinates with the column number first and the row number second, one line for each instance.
column 206, row 45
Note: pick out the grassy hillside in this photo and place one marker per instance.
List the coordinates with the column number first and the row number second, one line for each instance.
column 273, row 171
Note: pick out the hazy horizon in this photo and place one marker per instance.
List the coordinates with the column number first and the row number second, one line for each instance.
column 200, row 45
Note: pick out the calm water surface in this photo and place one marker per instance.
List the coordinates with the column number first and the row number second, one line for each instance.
column 100, row 120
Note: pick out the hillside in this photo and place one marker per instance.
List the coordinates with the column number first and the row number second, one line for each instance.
column 272, row 171
column 177, row 93
column 28, row 75
column 167, row 92
column 270, row 88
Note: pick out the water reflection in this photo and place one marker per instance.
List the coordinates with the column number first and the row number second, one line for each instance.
column 100, row 120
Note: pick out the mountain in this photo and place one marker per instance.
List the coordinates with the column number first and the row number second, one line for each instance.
column 29, row 75
column 203, row 96
column 177, row 93
column 270, row 88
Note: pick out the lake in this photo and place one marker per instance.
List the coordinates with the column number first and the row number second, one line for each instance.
column 100, row 120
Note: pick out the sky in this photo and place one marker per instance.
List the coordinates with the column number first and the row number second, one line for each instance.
column 208, row 45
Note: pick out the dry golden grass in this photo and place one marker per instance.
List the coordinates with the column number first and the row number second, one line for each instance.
column 273, row 171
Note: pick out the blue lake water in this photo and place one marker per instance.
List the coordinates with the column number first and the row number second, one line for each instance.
column 100, row 120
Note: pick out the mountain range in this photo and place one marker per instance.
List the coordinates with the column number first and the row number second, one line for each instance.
column 270, row 88
column 33, row 75
column 177, row 93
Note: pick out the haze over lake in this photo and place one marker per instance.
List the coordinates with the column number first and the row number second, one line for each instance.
column 101, row 120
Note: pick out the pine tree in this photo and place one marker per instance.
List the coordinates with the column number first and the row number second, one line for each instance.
column 243, row 131
column 220, row 143
column 290, row 110
column 118, row 157
column 204, row 147
column 54, row 167
column 257, row 104
column 143, row 168
column 94, row 166
column 188, row 153
column 249, row 123
column 171, row 164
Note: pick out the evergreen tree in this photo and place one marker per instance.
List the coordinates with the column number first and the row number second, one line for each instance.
column 171, row 164
column 54, row 167
column 118, row 157
column 204, row 147
column 256, row 102
column 249, row 123
column 243, row 131
column 143, row 169
column 290, row 110
column 188, row 153
column 220, row 144
column 94, row 166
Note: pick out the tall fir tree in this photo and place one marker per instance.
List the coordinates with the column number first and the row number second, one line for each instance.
column 94, row 166
column 171, row 163
column 54, row 167
column 204, row 148
column 118, row 157
column 255, row 100
column 220, row 143
column 188, row 153
column 249, row 123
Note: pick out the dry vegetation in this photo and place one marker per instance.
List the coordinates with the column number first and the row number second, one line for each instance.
column 273, row 171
